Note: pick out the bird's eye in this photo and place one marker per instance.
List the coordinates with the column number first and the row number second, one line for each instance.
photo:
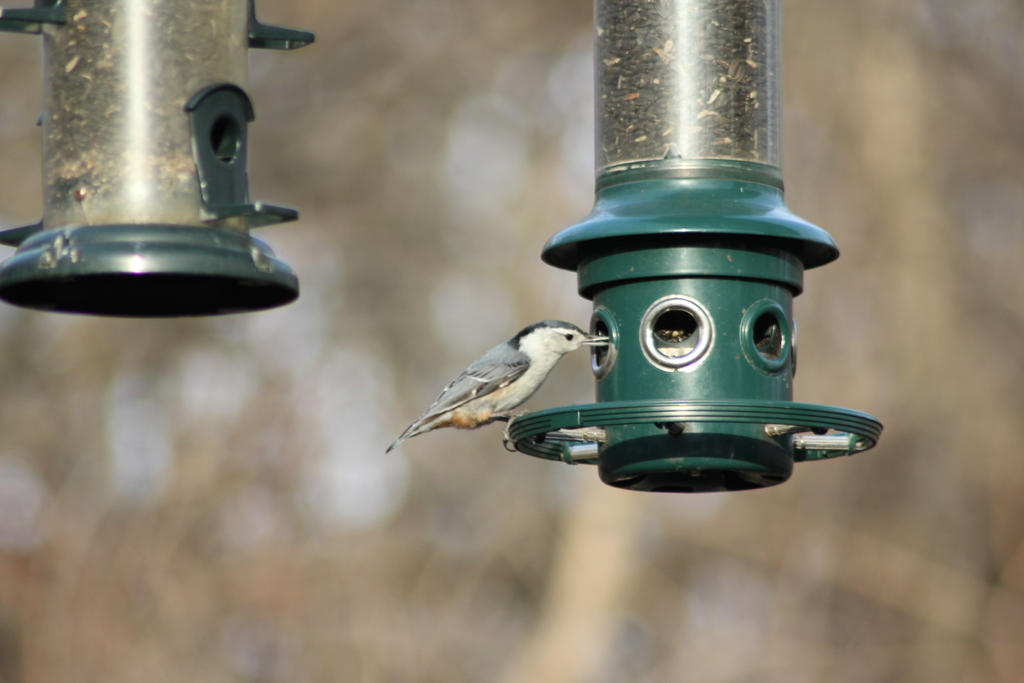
column 570, row 336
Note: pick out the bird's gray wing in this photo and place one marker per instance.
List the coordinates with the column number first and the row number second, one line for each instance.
column 479, row 379
column 497, row 368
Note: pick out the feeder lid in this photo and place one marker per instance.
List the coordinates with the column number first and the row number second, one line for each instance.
column 681, row 208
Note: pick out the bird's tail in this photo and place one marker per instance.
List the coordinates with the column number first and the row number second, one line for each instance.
column 425, row 423
column 410, row 431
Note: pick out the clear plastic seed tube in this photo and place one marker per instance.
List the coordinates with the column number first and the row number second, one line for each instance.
column 683, row 84
column 116, row 138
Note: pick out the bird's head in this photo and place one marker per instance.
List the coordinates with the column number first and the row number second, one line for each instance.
column 553, row 338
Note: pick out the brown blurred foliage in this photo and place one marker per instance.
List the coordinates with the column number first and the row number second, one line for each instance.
column 208, row 500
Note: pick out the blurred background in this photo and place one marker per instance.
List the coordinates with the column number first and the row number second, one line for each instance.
column 208, row 499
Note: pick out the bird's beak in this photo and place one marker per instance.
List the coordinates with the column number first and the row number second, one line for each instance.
column 595, row 340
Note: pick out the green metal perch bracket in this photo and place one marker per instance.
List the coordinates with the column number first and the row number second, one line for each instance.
column 13, row 237
column 275, row 37
column 32, row 19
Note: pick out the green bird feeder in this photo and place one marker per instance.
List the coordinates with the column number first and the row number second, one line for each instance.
column 692, row 261
column 146, row 208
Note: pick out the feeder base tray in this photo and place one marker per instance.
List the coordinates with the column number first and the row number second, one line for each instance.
column 693, row 446
column 146, row 271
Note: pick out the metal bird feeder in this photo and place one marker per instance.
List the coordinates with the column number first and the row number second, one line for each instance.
column 692, row 261
column 146, row 208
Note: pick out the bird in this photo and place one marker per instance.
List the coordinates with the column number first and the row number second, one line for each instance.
column 501, row 379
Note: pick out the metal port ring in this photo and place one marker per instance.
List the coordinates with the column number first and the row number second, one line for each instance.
column 540, row 433
column 703, row 330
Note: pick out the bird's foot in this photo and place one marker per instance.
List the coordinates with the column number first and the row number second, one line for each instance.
column 506, row 438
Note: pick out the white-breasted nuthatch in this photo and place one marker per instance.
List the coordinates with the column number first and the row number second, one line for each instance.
column 502, row 379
